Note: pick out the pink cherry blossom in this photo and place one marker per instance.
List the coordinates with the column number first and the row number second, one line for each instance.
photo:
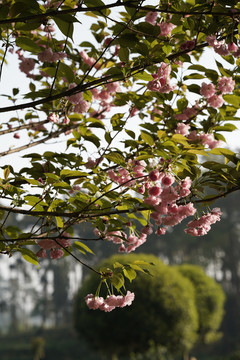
column 226, row 84
column 215, row 101
column 166, row 28
column 49, row 56
column 56, row 253
column 82, row 107
column 110, row 303
column 161, row 231
column 168, row 180
column 151, row 17
column 26, row 64
column 89, row 60
column 155, row 190
column 75, row 98
column 154, row 175
column 232, row 47
column 41, row 253
column 182, row 129
column 53, row 117
column 207, row 90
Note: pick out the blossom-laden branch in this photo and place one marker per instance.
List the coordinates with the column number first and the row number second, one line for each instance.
column 128, row 96
column 130, row 4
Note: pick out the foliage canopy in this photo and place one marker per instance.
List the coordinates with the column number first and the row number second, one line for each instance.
column 139, row 114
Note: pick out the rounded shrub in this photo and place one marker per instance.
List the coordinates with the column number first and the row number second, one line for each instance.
column 210, row 300
column 163, row 311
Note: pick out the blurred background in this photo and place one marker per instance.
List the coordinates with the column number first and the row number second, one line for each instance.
column 37, row 304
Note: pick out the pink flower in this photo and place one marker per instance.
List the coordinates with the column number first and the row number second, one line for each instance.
column 89, row 60
column 82, row 106
column 215, row 101
column 151, row 17
column 113, row 87
column 148, row 229
column 110, row 303
column 166, row 28
column 155, row 190
column 201, row 226
column 152, row 200
column 47, row 244
column 49, row 56
column 93, row 302
column 41, row 253
column 75, row 98
column 26, row 65
column 188, row 45
column 168, row 180
column 226, row 84
column 209, row 140
column 128, row 299
column 16, row 136
column 161, row 231
column 154, row 175
column 53, row 117
column 56, row 253
column 232, row 47
column 182, row 129
column 207, row 90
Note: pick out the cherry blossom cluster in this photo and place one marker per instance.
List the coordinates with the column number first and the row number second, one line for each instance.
column 205, row 139
column 48, row 55
column 161, row 80
column 110, row 303
column 81, row 105
column 55, row 247
column 166, row 27
column 225, row 86
column 221, row 48
column 187, row 113
column 163, row 193
column 89, row 60
column 201, row 226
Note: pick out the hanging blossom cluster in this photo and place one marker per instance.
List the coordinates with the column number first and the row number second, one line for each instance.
column 205, row 139
column 165, row 194
column 201, row 226
column 166, row 27
column 110, row 303
column 161, row 80
column 222, row 48
column 81, row 105
column 209, row 91
column 55, row 247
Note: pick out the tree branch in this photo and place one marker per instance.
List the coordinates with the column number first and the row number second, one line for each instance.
column 52, row 13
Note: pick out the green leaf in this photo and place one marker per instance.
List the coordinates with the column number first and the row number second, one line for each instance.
column 116, row 122
column 143, row 76
column 59, row 222
column 27, row 44
column 116, row 157
column 79, row 245
column 65, row 173
column 232, row 99
column 221, row 151
column 129, row 273
column 147, row 138
column 29, row 256
column 65, row 24
column 117, row 281
column 66, row 71
column 6, row 172
column 123, row 54
column 167, row 49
